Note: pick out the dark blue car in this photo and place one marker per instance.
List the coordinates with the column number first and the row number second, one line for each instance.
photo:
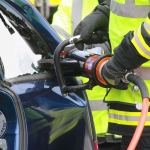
column 33, row 113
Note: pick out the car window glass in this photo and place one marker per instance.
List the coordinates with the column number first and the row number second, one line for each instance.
column 16, row 55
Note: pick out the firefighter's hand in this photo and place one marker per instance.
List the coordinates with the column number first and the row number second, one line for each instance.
column 93, row 28
column 113, row 73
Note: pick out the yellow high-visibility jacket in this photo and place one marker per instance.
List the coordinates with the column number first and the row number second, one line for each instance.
column 128, row 16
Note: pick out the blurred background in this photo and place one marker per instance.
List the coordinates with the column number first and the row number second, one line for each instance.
column 46, row 7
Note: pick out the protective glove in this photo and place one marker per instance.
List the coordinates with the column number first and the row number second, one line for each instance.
column 113, row 73
column 125, row 59
column 93, row 28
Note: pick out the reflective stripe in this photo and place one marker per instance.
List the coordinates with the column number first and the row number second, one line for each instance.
column 140, row 44
column 120, row 117
column 98, row 105
column 126, row 118
column 144, row 73
column 147, row 27
column 126, row 122
column 76, row 13
column 61, row 31
column 129, row 9
column 147, row 24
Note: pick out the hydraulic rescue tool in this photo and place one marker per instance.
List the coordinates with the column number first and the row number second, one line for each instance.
column 84, row 62
column 89, row 63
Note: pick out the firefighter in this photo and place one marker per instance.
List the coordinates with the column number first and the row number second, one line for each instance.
column 128, row 24
column 65, row 20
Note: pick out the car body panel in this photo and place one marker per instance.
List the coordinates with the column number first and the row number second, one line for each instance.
column 51, row 118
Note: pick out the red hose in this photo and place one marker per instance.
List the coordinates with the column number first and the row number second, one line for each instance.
column 140, row 127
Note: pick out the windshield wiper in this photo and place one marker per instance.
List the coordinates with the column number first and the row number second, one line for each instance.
column 10, row 29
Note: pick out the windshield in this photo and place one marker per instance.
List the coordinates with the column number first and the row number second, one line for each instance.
column 16, row 55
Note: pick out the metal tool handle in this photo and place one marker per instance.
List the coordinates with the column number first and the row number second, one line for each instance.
column 65, row 89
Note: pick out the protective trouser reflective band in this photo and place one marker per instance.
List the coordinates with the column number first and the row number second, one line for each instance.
column 76, row 13
column 140, row 44
column 126, row 118
column 129, row 9
column 143, row 72
column 61, row 31
column 98, row 105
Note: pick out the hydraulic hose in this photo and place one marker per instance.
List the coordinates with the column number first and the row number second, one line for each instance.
column 145, row 97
